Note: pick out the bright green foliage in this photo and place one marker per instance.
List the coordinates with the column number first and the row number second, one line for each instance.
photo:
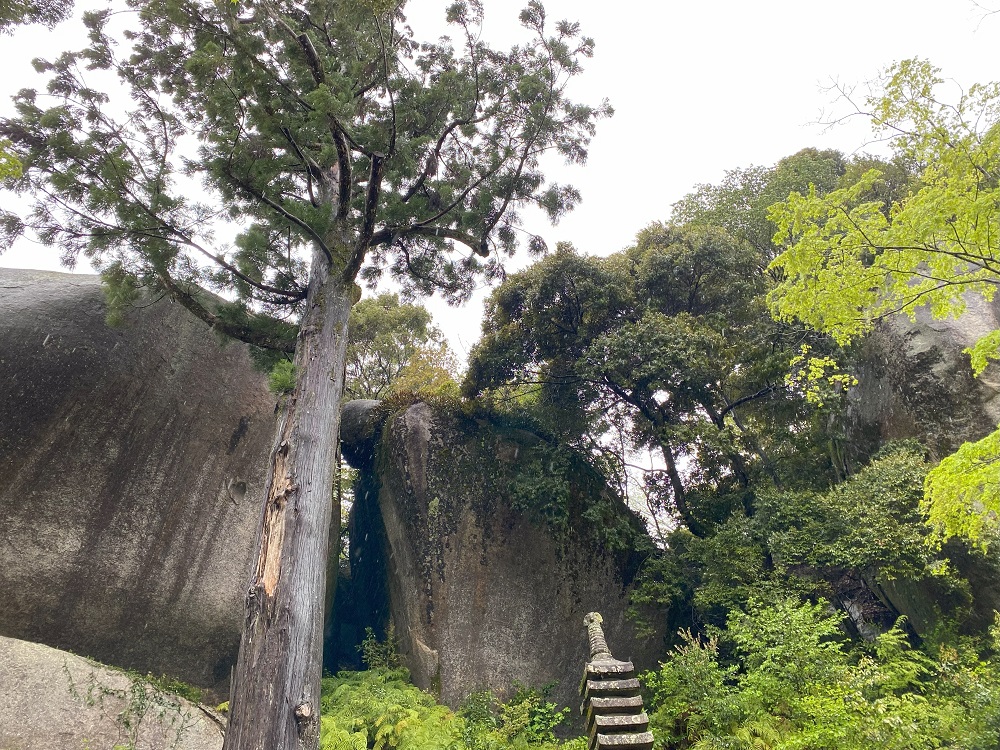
column 794, row 683
column 963, row 493
column 430, row 372
column 281, row 379
column 10, row 165
column 983, row 351
column 820, row 378
column 380, row 709
column 848, row 261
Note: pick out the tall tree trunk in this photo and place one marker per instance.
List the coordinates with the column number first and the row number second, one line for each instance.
column 677, row 485
column 275, row 702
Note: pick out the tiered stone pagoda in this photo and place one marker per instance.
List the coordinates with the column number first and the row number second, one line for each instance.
column 612, row 706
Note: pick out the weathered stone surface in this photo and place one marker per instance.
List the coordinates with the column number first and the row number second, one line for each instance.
column 915, row 380
column 53, row 700
column 482, row 594
column 132, row 461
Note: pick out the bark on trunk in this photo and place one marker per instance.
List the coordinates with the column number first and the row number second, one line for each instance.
column 275, row 702
column 680, row 496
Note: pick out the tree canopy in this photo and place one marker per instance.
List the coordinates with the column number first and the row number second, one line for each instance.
column 384, row 336
column 668, row 342
column 48, row 12
column 851, row 259
column 329, row 115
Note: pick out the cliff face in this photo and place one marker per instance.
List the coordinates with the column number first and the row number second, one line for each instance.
column 915, row 380
column 132, row 462
column 485, row 591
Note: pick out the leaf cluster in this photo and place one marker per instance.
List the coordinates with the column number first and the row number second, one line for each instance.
column 962, row 495
column 868, row 528
column 384, row 337
column 47, row 12
column 849, row 259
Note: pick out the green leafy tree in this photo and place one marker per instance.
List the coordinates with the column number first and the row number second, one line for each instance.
column 670, row 342
column 781, row 676
column 869, row 523
column 431, row 372
column 849, row 262
column 384, row 336
column 739, row 204
column 380, row 709
column 330, row 144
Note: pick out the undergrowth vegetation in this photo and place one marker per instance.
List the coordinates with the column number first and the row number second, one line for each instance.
column 781, row 675
column 380, row 709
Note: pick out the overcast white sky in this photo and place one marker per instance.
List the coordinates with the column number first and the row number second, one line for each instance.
column 698, row 88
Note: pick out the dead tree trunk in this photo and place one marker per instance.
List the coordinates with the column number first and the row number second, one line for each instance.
column 279, row 667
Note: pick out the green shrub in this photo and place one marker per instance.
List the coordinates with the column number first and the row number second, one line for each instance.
column 380, row 709
column 793, row 682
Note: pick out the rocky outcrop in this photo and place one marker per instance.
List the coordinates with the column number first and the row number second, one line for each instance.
column 53, row 700
column 486, row 580
column 915, row 380
column 132, row 461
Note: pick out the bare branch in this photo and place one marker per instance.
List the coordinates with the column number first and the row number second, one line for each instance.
column 368, row 227
column 385, row 236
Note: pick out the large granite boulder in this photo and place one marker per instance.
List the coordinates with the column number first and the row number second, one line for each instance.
column 54, row 700
column 485, row 582
column 132, row 461
column 915, row 380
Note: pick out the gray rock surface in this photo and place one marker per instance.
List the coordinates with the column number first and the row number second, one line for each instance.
column 132, row 461
column 54, row 700
column 483, row 595
column 915, row 380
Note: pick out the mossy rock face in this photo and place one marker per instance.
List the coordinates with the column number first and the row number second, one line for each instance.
column 132, row 462
column 488, row 579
